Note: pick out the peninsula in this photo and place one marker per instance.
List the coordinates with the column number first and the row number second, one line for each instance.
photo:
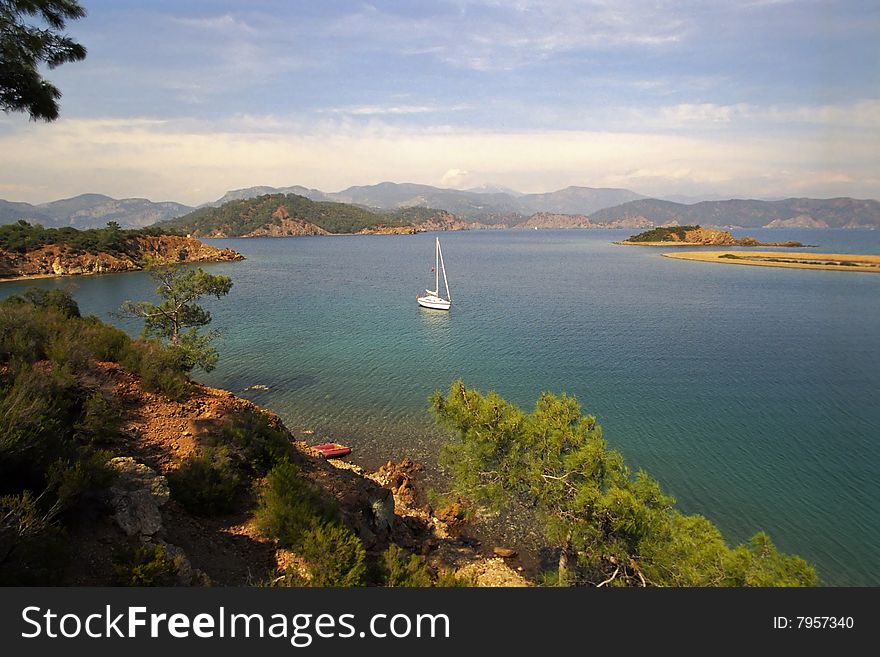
column 798, row 260
column 28, row 251
column 696, row 236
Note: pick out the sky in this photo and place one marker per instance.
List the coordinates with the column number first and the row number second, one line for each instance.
column 184, row 100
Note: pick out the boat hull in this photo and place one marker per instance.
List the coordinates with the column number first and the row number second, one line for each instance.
column 434, row 303
column 332, row 450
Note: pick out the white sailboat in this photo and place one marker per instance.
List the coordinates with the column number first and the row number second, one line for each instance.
column 432, row 298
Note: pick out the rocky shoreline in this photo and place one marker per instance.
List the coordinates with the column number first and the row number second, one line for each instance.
column 59, row 260
column 711, row 237
column 382, row 508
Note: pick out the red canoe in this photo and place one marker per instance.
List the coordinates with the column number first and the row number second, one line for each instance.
column 332, row 450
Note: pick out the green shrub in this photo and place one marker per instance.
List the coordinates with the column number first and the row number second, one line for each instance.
column 69, row 479
column 105, row 342
column 159, row 368
column 400, row 571
column 23, row 332
column 287, row 508
column 335, row 556
column 35, row 412
column 60, row 300
column 99, row 420
column 260, row 445
column 146, row 565
column 447, row 578
column 33, row 551
column 207, row 483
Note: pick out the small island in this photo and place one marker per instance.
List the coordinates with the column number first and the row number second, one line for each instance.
column 31, row 251
column 697, row 236
column 828, row 261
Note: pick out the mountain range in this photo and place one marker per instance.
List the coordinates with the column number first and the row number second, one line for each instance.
column 92, row 211
column 487, row 206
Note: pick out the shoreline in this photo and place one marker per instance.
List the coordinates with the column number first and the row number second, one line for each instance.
column 793, row 260
column 748, row 246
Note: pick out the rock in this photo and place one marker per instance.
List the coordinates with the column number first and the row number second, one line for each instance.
column 136, row 496
column 383, row 512
column 503, row 552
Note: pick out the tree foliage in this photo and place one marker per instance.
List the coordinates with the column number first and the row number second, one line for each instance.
column 24, row 47
column 610, row 526
column 178, row 318
column 662, row 234
column 241, row 217
column 22, row 237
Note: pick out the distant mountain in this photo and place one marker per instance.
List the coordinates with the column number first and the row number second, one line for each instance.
column 10, row 212
column 92, row 211
column 787, row 213
column 576, row 200
column 489, row 204
column 253, row 192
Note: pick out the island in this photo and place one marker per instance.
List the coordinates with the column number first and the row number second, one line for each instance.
column 799, row 260
column 696, row 236
column 31, row 251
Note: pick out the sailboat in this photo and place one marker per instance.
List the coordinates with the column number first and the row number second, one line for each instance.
column 432, row 298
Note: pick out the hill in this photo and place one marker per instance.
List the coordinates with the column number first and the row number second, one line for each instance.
column 32, row 251
column 489, row 205
column 277, row 215
column 92, row 211
column 696, row 236
column 787, row 213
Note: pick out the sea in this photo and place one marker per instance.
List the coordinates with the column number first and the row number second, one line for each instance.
column 751, row 393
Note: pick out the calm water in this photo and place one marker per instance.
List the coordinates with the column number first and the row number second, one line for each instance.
column 751, row 393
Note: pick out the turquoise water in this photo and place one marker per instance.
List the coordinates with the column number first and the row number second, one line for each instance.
column 751, row 393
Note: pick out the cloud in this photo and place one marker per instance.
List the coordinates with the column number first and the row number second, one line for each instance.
column 488, row 35
column 455, row 178
column 165, row 160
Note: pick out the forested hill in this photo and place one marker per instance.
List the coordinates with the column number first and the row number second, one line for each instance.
column 277, row 215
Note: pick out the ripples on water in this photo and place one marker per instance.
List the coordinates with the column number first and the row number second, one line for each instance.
column 751, row 393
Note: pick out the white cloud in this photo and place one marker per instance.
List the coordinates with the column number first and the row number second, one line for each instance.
column 490, row 35
column 455, row 178
column 170, row 159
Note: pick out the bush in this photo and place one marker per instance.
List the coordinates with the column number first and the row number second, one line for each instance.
column 335, row 556
column 70, row 479
column 99, row 421
column 206, row 484
column 35, row 412
column 260, row 445
column 146, row 565
column 105, row 342
column 159, row 368
column 400, row 571
column 32, row 550
column 287, row 508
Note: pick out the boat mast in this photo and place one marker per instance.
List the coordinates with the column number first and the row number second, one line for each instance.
column 437, row 267
column 445, row 282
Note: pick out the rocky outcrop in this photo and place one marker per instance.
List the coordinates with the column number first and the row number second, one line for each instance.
column 61, row 260
column 391, row 230
column 283, row 225
column 136, row 495
column 703, row 237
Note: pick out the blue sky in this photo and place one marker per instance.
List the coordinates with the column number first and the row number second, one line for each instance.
column 184, row 100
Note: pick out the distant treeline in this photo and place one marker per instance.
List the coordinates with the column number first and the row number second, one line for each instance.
column 22, row 237
column 662, row 234
column 245, row 216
